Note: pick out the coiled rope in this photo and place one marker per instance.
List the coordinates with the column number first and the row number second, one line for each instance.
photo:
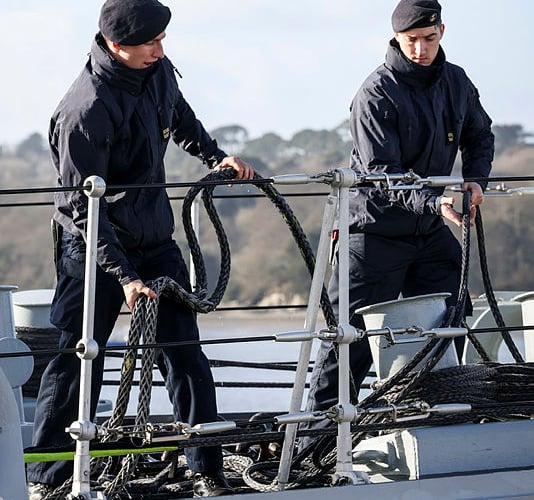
column 403, row 386
column 486, row 384
column 490, row 295
column 144, row 317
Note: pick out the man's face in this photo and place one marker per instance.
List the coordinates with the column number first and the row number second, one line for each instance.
column 421, row 44
column 140, row 56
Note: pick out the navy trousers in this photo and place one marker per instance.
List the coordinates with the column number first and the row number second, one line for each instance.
column 188, row 376
column 380, row 269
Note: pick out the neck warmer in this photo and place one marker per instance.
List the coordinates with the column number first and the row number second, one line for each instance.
column 114, row 72
column 411, row 73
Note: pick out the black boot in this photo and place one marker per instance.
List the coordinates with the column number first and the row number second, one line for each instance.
column 211, row 485
column 38, row 491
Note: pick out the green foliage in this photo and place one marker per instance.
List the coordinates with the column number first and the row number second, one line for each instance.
column 32, row 146
column 230, row 138
column 509, row 136
column 269, row 147
column 265, row 258
column 313, row 142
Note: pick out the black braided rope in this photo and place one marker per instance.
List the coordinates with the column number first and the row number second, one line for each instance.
column 483, row 385
column 303, row 244
column 198, row 261
column 40, row 338
column 400, row 386
column 192, row 240
column 464, row 275
column 492, row 301
column 197, row 301
column 144, row 324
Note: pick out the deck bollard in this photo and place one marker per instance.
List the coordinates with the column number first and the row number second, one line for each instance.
column 527, row 311
column 17, row 369
column 424, row 311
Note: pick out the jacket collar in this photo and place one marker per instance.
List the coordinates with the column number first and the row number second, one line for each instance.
column 114, row 72
column 411, row 73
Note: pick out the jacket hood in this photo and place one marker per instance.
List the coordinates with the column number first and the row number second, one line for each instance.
column 114, row 72
column 411, row 73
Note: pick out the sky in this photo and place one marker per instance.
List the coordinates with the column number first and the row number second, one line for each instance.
column 268, row 65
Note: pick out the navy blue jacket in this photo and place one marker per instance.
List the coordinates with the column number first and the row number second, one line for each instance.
column 116, row 122
column 411, row 117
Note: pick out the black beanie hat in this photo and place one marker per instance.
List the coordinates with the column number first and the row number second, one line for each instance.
column 410, row 14
column 133, row 22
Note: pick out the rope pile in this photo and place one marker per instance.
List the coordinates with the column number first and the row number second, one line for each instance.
column 144, row 318
column 37, row 338
column 495, row 390
column 490, row 388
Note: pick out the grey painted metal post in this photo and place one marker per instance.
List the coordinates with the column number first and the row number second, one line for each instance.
column 344, row 440
column 305, row 349
column 345, row 179
column 17, row 370
column 13, row 373
column 7, row 331
column 12, row 476
column 83, row 430
column 342, row 180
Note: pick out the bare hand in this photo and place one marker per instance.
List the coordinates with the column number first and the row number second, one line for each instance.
column 477, row 195
column 243, row 169
column 449, row 213
column 135, row 288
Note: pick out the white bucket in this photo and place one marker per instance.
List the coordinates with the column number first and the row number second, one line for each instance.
column 491, row 341
column 527, row 311
column 31, row 308
column 424, row 311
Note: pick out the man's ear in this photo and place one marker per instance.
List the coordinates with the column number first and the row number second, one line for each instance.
column 114, row 47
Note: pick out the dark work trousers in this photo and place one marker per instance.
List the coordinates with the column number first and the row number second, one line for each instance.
column 380, row 269
column 188, row 376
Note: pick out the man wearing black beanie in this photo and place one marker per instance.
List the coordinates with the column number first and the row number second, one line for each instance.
column 116, row 122
column 414, row 112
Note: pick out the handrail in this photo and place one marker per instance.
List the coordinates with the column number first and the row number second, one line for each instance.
column 340, row 191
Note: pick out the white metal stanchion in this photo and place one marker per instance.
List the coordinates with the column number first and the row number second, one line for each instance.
column 340, row 180
column 305, row 348
column 344, row 468
column 83, row 430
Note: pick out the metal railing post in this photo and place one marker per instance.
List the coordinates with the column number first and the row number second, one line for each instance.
column 310, row 323
column 84, row 430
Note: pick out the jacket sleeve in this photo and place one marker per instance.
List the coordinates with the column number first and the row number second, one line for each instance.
column 476, row 139
column 377, row 150
column 81, row 150
column 189, row 133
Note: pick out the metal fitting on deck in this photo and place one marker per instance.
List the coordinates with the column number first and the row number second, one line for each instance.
column 94, row 186
column 301, row 417
column 88, row 348
column 449, row 332
column 82, row 431
column 298, row 336
column 344, row 413
column 211, row 427
column 343, row 334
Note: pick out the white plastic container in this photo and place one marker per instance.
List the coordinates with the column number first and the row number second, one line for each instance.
column 527, row 311
column 424, row 311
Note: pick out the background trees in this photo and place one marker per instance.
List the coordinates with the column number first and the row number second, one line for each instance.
column 265, row 259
